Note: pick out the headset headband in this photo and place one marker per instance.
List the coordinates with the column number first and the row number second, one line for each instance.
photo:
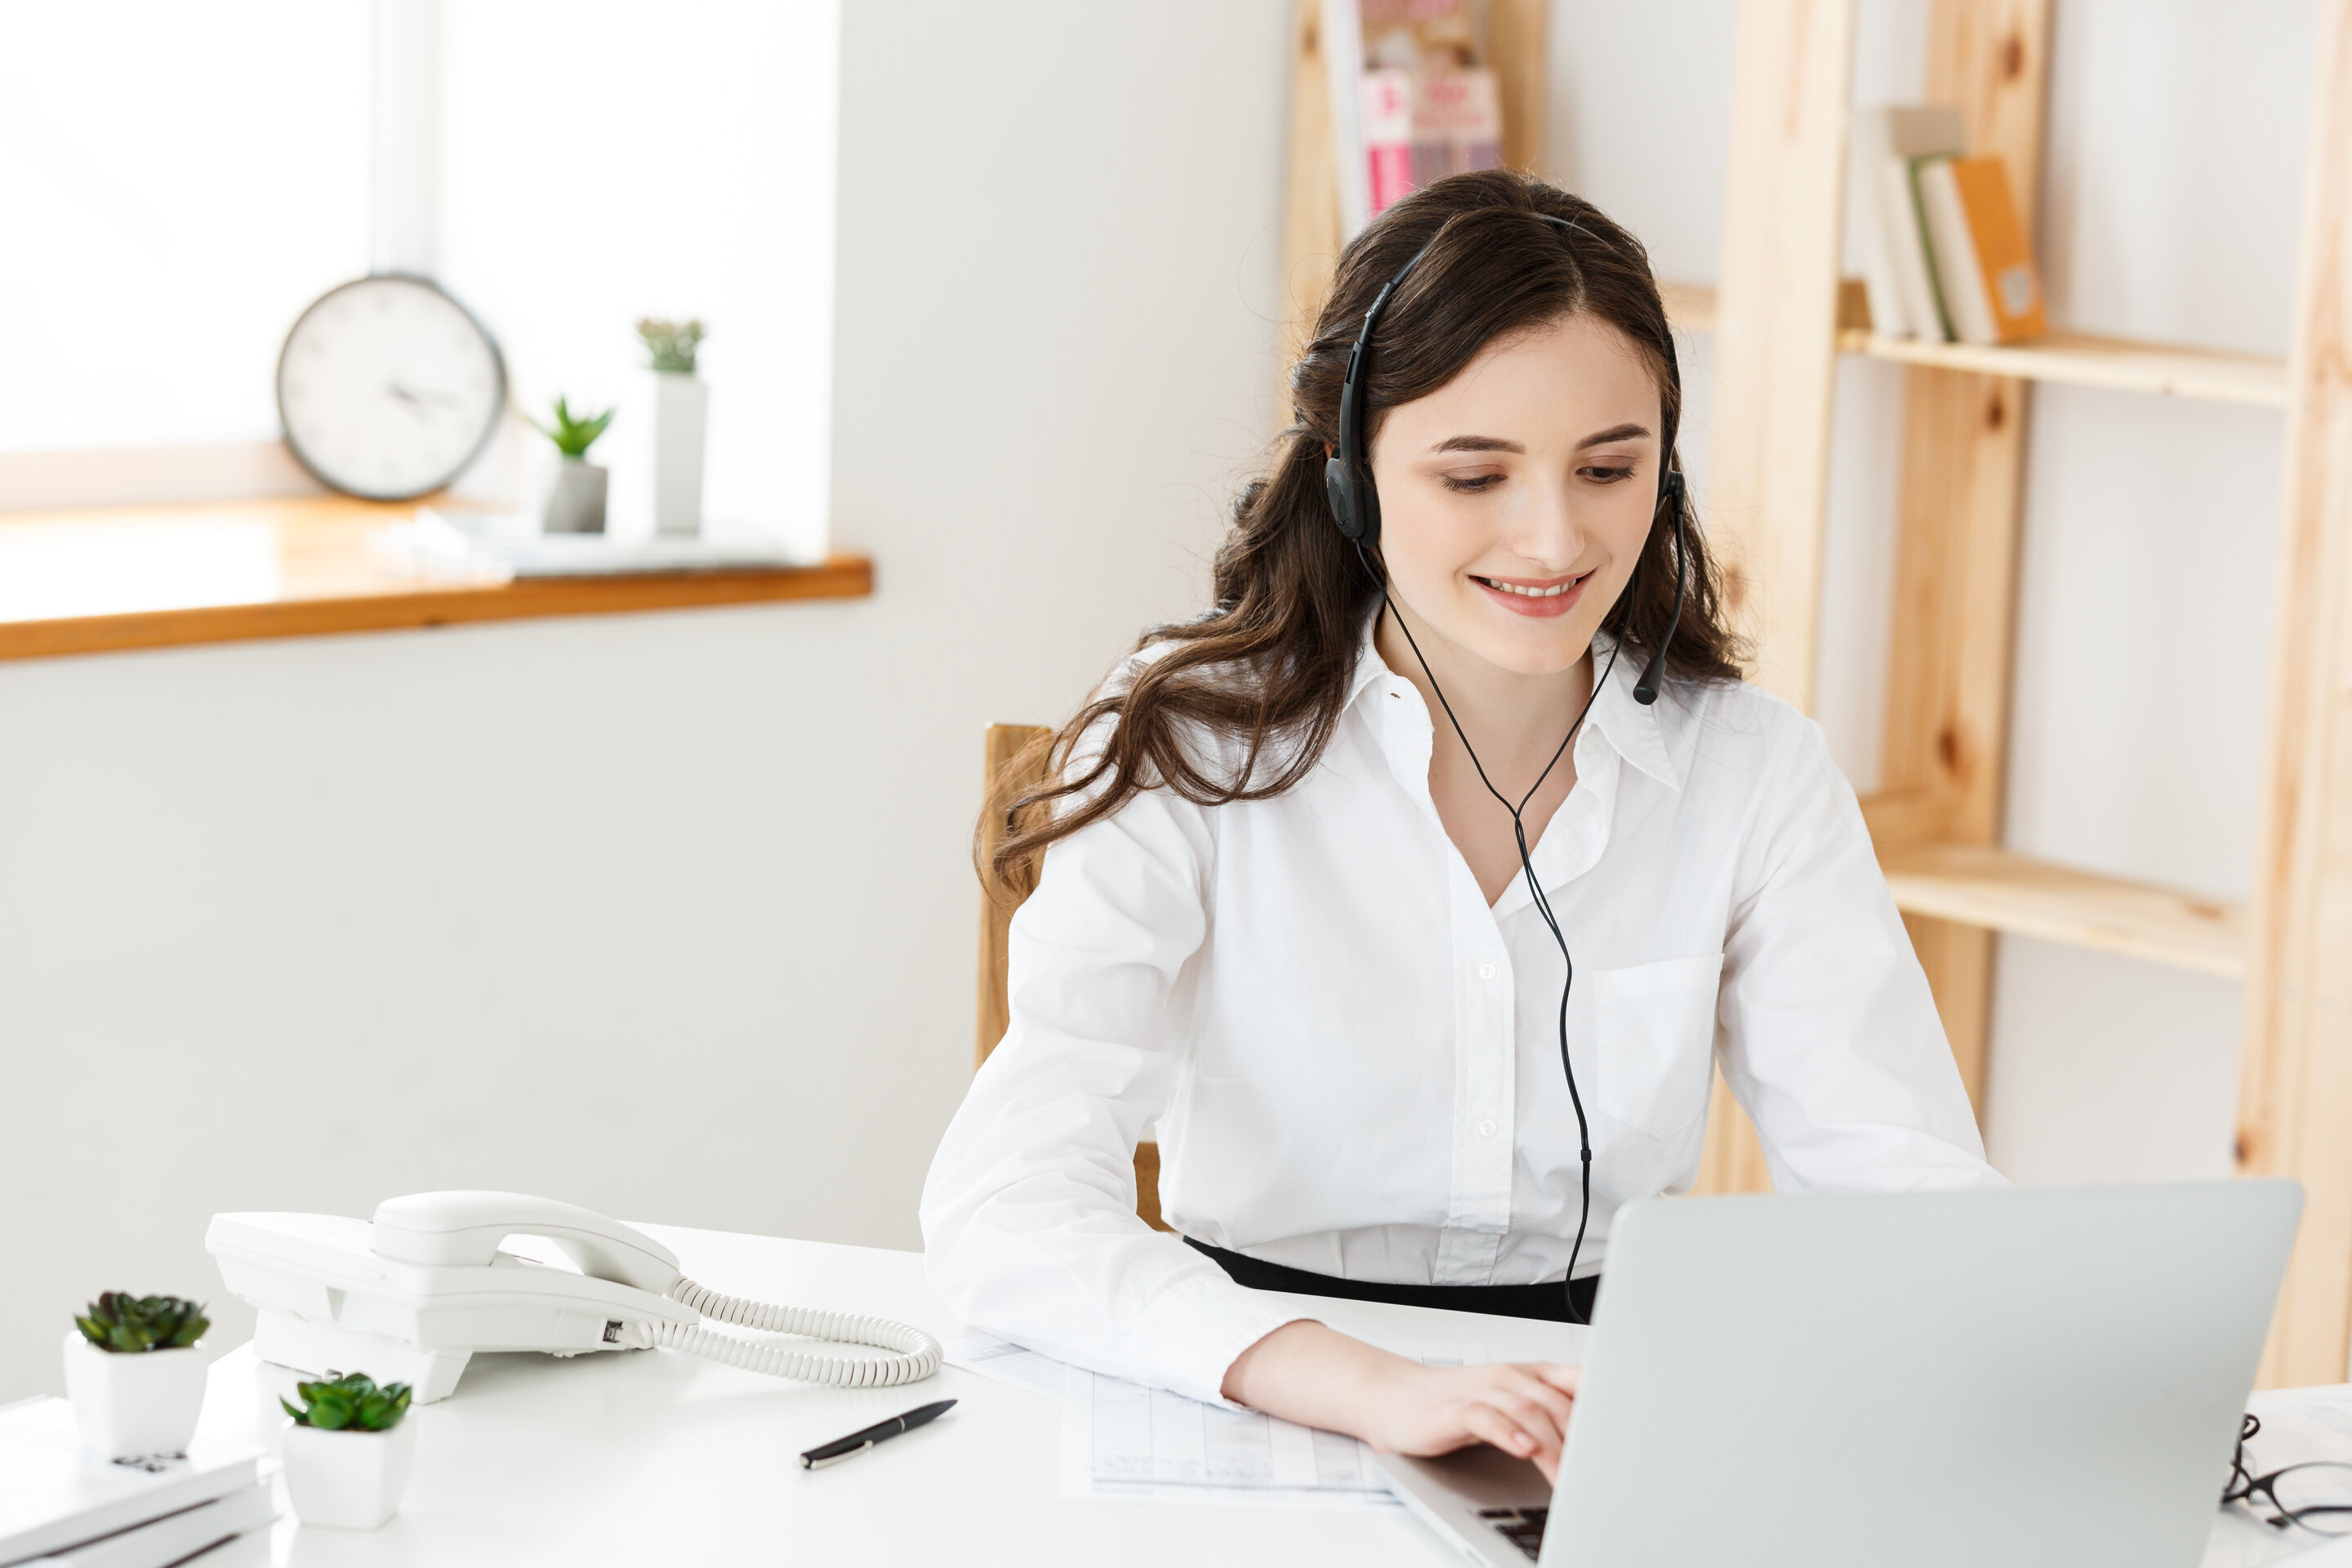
column 1353, row 499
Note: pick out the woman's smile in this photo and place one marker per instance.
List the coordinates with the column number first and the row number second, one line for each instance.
column 1539, row 596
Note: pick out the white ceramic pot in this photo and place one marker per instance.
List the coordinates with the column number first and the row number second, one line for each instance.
column 573, row 498
column 349, row 1480
column 657, row 455
column 134, row 1403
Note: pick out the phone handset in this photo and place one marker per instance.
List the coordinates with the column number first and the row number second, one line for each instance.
column 463, row 1229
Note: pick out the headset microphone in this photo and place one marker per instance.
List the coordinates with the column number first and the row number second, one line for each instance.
column 1670, row 492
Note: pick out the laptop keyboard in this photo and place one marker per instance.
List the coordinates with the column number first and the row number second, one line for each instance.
column 1522, row 1527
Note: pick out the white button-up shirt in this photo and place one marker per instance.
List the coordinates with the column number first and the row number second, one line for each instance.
column 1354, row 1062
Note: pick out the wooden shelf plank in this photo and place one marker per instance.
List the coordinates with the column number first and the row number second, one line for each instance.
column 97, row 581
column 2080, row 359
column 1978, row 886
column 2073, row 359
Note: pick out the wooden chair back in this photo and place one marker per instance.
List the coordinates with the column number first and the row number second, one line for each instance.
column 1014, row 760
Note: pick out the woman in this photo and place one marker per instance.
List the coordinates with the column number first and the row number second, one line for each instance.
column 1328, row 895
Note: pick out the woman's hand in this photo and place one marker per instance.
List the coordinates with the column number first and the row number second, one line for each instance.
column 1307, row 1372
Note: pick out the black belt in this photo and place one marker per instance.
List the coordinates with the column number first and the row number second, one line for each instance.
column 1549, row 1302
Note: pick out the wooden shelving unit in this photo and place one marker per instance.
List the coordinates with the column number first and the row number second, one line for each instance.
column 1938, row 826
column 1782, row 314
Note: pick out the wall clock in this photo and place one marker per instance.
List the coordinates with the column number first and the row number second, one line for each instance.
column 388, row 387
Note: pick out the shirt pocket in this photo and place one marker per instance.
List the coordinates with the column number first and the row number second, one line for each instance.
column 1656, row 1039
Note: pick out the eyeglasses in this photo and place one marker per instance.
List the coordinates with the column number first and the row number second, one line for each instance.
column 2316, row 1495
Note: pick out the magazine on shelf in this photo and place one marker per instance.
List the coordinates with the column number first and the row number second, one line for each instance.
column 1409, row 100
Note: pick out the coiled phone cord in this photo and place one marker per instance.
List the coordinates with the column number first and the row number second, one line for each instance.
column 918, row 1357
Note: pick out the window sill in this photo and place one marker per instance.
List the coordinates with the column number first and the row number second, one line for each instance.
column 99, row 581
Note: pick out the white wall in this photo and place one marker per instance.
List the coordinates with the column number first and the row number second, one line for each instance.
column 2169, row 211
column 671, row 915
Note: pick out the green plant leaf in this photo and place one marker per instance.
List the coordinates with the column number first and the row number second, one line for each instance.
column 350, row 1402
column 123, row 1323
column 332, row 1409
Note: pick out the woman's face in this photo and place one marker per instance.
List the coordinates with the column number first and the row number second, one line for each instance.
column 1515, row 498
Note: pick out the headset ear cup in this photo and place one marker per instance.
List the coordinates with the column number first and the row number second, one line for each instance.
column 1368, row 515
column 1339, row 490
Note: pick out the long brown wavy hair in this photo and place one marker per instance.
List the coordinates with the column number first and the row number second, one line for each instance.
column 1266, row 669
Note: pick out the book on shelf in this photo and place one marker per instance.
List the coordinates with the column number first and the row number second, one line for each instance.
column 1896, row 270
column 1984, row 270
column 60, row 1504
column 1409, row 102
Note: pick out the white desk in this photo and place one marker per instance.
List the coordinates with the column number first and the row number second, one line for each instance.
column 651, row 1457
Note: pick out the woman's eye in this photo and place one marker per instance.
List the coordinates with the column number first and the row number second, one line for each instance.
column 1475, row 482
column 1606, row 476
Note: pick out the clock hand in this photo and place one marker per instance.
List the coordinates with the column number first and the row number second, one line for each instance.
column 441, row 399
column 410, row 401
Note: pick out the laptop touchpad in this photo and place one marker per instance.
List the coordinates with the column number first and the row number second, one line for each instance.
column 1486, row 1476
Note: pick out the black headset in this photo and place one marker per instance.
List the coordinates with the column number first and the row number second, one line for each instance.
column 1356, row 506
column 1356, row 502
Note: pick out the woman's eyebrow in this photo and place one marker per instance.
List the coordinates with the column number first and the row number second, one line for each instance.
column 1497, row 444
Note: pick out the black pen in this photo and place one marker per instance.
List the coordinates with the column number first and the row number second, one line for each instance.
column 841, row 1448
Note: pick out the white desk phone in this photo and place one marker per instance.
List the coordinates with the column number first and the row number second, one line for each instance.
column 411, row 1296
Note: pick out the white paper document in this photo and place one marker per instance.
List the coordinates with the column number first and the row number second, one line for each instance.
column 2299, row 1425
column 1008, row 1362
column 1122, row 1442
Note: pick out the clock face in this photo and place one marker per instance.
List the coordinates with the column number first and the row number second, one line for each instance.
column 388, row 388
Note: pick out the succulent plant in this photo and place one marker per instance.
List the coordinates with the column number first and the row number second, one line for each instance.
column 119, row 1321
column 574, row 434
column 671, row 343
column 349, row 1402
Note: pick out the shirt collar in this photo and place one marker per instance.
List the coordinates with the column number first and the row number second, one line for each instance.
column 1637, row 733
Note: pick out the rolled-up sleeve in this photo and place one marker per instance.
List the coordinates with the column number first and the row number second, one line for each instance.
column 1029, row 1224
column 1830, row 1037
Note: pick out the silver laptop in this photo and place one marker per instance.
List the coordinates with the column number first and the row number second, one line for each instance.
column 2043, row 1376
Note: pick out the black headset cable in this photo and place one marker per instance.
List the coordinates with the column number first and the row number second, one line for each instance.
column 1536, row 893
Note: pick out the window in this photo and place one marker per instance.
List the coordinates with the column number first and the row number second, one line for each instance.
column 601, row 163
column 184, row 180
column 180, row 180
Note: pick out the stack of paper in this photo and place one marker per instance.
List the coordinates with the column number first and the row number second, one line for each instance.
column 61, row 1505
column 1123, row 1442
column 2300, row 1426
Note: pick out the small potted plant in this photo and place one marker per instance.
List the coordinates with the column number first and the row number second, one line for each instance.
column 573, row 501
column 657, row 475
column 347, row 1453
column 134, row 1375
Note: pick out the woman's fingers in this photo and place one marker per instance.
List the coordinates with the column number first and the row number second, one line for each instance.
column 1555, row 1404
column 1489, row 1425
column 1532, row 1419
column 1564, row 1378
